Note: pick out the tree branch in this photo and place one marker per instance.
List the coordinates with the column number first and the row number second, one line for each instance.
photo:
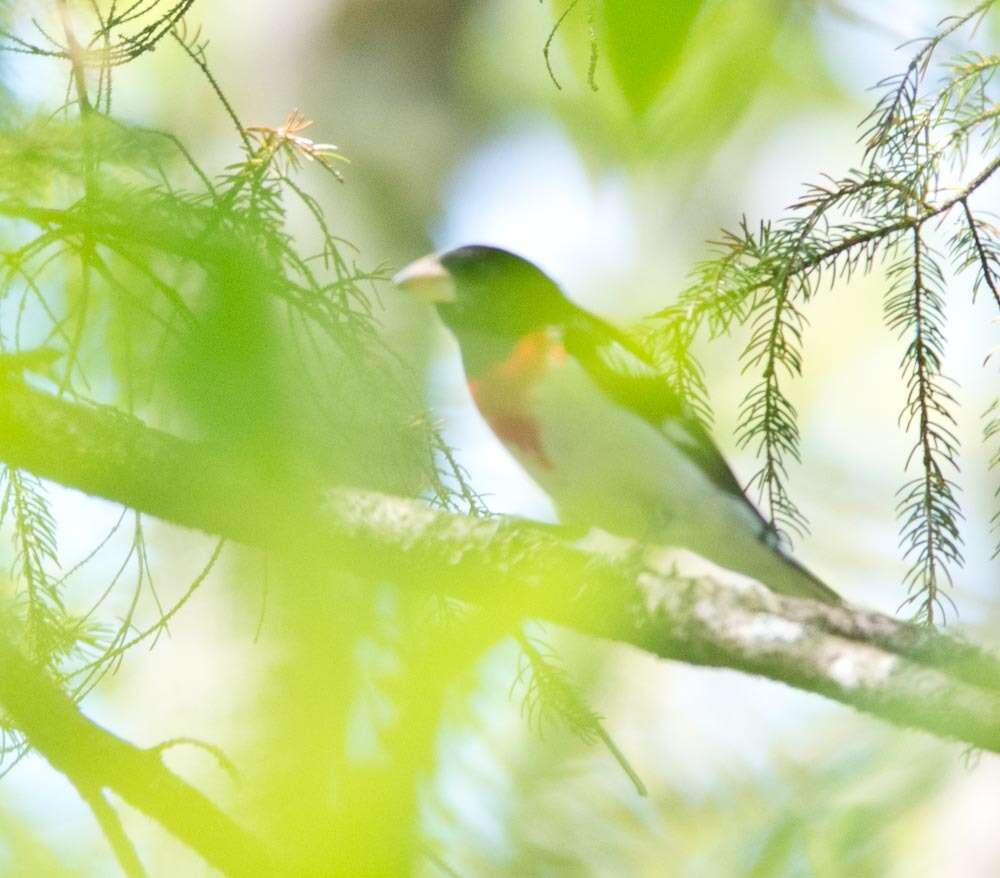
column 906, row 674
column 111, row 825
column 94, row 759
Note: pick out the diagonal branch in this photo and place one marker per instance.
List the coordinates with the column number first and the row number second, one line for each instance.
column 986, row 270
column 893, row 670
column 94, row 759
column 111, row 825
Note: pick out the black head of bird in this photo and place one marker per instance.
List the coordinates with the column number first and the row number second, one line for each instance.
column 488, row 297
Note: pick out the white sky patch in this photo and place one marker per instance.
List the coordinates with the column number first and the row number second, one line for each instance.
column 528, row 191
column 860, row 37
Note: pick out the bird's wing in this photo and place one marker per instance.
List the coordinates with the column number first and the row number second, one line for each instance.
column 624, row 372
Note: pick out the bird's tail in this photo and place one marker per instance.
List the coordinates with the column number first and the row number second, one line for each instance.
column 758, row 557
column 806, row 583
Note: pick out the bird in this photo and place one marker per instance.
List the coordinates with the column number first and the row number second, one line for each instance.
column 582, row 408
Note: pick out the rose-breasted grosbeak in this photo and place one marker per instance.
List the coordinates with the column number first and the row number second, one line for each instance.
column 581, row 408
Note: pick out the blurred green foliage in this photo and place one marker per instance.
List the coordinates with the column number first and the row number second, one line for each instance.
column 671, row 81
column 645, row 41
column 195, row 277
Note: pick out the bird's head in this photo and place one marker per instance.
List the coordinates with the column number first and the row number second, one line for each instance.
column 485, row 293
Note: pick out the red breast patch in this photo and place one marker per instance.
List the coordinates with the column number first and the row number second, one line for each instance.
column 501, row 393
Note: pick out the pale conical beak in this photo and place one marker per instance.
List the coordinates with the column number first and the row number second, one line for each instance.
column 426, row 280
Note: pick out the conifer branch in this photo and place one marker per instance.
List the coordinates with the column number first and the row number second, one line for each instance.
column 907, row 674
column 991, row 436
column 987, row 253
column 100, row 52
column 928, row 505
column 764, row 278
column 551, row 695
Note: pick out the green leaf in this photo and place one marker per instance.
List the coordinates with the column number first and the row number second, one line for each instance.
column 644, row 40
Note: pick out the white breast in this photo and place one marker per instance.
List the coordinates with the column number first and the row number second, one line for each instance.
column 610, row 468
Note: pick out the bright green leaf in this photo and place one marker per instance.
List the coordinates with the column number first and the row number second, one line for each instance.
column 644, row 41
